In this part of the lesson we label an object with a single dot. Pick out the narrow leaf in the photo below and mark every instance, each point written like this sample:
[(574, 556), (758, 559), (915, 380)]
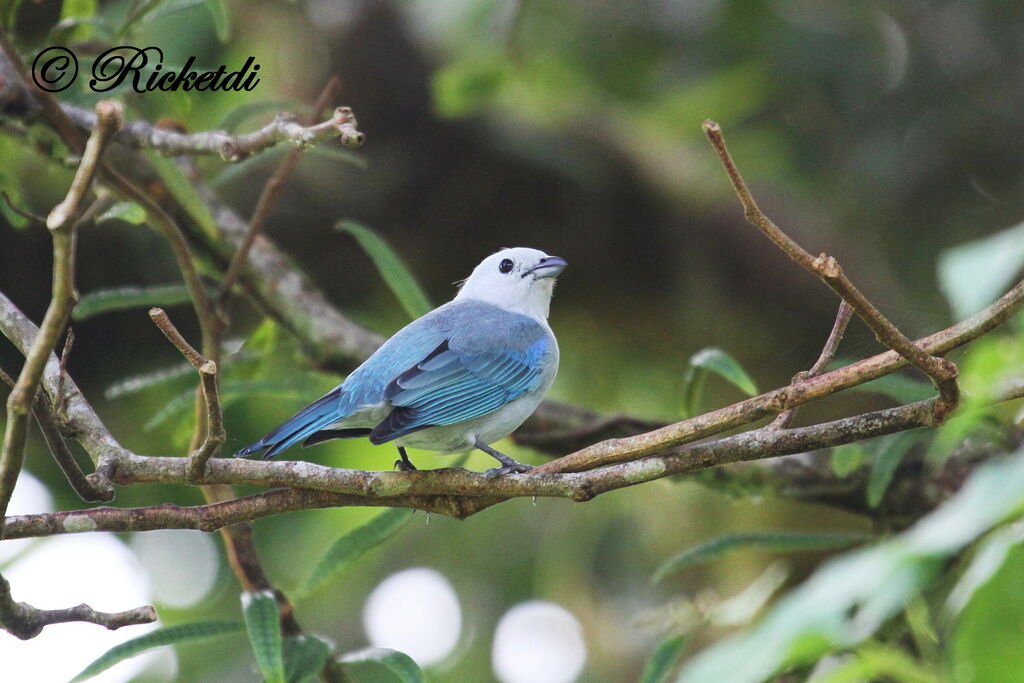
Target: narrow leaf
[(661, 661), (219, 13), (184, 192), (129, 212), (243, 112), (263, 623), (779, 541), (135, 383), (847, 458), (398, 663), (168, 635), (78, 9), (304, 656), (725, 366), (887, 459), (395, 273), (899, 388), (355, 543), (122, 298)]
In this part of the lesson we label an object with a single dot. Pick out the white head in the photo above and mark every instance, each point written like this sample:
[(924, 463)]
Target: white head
[(520, 280)]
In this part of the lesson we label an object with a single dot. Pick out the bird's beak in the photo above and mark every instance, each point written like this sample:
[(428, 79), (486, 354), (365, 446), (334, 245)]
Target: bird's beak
[(549, 266)]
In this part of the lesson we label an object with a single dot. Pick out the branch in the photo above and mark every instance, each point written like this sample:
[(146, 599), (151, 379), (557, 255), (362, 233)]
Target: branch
[(941, 371), (62, 225), (215, 434), (26, 622), (232, 148), (454, 492), (828, 352)]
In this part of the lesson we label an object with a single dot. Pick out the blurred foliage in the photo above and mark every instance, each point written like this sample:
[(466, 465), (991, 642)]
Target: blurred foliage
[(884, 133)]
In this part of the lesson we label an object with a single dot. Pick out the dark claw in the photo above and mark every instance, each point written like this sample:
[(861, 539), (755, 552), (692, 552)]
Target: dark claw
[(405, 466)]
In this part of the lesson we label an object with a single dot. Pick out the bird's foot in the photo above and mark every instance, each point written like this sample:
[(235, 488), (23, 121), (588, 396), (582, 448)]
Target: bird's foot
[(514, 468), (508, 465), (404, 465)]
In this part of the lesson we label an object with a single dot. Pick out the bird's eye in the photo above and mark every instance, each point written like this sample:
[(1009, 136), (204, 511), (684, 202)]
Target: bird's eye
[(505, 266)]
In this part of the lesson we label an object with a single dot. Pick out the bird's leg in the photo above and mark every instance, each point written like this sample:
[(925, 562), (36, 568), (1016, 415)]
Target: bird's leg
[(508, 465), (404, 465)]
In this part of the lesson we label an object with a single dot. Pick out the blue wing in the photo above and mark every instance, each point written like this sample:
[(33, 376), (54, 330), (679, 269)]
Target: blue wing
[(450, 386)]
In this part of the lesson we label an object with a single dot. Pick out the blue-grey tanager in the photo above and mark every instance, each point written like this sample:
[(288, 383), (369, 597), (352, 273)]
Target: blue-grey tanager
[(463, 376)]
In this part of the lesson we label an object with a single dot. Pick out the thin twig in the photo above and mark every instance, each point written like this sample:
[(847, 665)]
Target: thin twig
[(941, 371), (21, 212), (26, 622), (828, 352), (62, 223), (271, 192), (215, 434), (65, 356)]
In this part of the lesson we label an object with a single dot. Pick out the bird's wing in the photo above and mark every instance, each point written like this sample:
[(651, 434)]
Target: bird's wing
[(462, 379)]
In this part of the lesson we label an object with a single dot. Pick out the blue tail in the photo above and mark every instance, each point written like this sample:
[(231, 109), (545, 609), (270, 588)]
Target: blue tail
[(311, 419)]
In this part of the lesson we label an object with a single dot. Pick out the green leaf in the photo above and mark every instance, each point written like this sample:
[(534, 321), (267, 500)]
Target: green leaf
[(135, 383), (988, 558), (184, 192), (887, 459), (168, 635), (717, 361), (847, 458), (899, 388), (79, 9), (661, 661), (987, 636), (778, 541), (878, 663), (237, 116), (219, 13), (129, 212), (395, 273), (973, 275), (304, 657), (398, 663), (263, 623), (355, 543), (9, 14), (464, 87), (851, 596), (122, 298)]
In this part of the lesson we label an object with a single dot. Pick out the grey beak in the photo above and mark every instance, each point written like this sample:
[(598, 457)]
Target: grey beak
[(549, 266)]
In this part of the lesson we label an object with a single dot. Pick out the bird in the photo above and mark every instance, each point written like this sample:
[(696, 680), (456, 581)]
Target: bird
[(461, 377)]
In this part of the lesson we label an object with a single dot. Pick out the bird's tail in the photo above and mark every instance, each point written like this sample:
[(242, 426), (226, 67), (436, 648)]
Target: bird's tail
[(311, 419)]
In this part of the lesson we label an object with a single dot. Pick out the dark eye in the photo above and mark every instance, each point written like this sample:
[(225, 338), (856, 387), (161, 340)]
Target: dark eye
[(505, 266)]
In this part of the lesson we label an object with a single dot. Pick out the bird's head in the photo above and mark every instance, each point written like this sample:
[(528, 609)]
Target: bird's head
[(520, 280)]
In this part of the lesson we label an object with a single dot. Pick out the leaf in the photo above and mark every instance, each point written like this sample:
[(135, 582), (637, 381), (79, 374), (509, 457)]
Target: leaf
[(899, 388), (219, 13), (184, 193), (973, 275), (887, 460), (135, 383), (988, 558), (665, 655), (234, 118), (355, 543), (304, 657), (851, 596), (395, 273), (847, 458), (779, 541), (463, 87), (987, 636), (263, 623), (79, 9), (9, 14), (717, 361), (168, 635), (129, 212), (339, 155), (398, 663), (122, 298)]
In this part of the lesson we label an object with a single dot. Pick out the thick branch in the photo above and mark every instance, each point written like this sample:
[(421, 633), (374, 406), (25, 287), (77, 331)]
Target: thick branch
[(941, 371), (284, 128), (25, 622), (62, 224)]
